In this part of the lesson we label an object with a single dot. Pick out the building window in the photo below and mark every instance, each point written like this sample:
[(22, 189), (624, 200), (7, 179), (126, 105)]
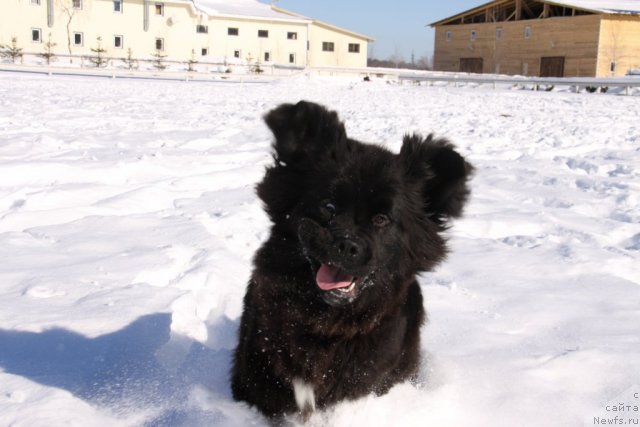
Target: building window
[(474, 36), (448, 36), (233, 31), (327, 46), (160, 9), (612, 67), (527, 32), (292, 58), (354, 47), (236, 54), (292, 36), (267, 56), (525, 69), (498, 33), (159, 44), (118, 42), (204, 51), (263, 34), (497, 69), (202, 29), (117, 6), (36, 35), (77, 4), (78, 39)]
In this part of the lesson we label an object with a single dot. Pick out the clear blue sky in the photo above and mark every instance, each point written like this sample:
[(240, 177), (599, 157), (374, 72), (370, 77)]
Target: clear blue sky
[(397, 26)]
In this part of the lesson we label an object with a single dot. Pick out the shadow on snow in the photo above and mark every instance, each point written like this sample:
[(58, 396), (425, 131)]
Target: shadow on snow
[(121, 370)]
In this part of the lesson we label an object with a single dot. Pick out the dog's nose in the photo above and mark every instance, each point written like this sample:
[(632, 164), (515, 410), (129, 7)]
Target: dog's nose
[(349, 249)]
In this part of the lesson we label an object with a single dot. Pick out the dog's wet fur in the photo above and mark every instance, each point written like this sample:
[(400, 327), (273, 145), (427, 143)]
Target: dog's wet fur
[(333, 310)]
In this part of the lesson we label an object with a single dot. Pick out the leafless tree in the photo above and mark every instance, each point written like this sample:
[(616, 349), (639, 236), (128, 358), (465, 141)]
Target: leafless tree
[(70, 12), (615, 36)]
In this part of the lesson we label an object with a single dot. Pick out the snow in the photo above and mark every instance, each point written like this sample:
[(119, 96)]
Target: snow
[(606, 6), (128, 222), (239, 8)]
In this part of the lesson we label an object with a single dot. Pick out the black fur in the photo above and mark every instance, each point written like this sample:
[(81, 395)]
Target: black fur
[(362, 213)]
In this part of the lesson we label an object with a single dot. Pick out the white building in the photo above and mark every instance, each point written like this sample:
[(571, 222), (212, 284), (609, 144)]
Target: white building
[(209, 31)]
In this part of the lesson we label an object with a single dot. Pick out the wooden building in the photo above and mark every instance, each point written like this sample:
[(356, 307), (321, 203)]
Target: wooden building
[(573, 38)]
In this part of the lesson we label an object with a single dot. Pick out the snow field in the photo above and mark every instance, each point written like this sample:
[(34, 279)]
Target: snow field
[(128, 221)]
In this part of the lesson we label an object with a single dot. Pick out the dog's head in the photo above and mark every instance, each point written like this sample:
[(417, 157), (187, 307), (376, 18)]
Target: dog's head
[(366, 219)]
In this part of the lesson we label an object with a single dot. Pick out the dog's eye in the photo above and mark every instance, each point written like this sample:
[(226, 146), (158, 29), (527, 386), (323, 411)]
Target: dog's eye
[(328, 208), (380, 220)]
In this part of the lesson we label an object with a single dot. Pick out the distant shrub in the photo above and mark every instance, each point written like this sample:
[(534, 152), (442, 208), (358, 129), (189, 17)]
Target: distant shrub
[(98, 60), (12, 51), (256, 68), (48, 54), (158, 61), (191, 62), (132, 64)]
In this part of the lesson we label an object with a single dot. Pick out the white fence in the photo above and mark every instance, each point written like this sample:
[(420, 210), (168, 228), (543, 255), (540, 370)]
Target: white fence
[(242, 73), (148, 68), (537, 83)]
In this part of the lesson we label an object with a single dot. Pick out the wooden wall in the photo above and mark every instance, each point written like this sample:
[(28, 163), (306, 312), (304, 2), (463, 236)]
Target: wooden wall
[(575, 38), (619, 43)]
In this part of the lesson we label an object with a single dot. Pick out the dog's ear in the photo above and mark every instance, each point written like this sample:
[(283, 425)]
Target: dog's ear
[(305, 132), (440, 171)]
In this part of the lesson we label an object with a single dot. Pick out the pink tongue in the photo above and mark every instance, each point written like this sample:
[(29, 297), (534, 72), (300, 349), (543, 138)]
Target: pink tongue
[(332, 278)]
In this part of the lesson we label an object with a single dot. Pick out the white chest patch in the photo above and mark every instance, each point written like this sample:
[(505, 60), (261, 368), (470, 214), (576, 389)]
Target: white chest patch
[(305, 397)]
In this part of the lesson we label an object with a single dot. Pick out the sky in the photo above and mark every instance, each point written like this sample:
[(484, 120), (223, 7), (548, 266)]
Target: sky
[(397, 27)]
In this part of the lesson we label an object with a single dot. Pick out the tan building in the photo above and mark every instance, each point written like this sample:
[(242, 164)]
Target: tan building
[(209, 31), (574, 38)]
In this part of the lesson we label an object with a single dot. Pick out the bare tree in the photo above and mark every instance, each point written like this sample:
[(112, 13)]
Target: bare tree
[(396, 61), (424, 63), (397, 58), (615, 43), (70, 12)]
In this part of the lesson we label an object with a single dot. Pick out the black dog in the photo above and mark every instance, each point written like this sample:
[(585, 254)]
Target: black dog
[(333, 310)]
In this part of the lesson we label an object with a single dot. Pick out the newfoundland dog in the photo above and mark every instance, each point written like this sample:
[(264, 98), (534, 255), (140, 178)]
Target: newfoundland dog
[(333, 310)]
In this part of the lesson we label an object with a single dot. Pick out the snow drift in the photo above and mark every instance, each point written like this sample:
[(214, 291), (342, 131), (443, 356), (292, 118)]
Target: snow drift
[(128, 221)]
